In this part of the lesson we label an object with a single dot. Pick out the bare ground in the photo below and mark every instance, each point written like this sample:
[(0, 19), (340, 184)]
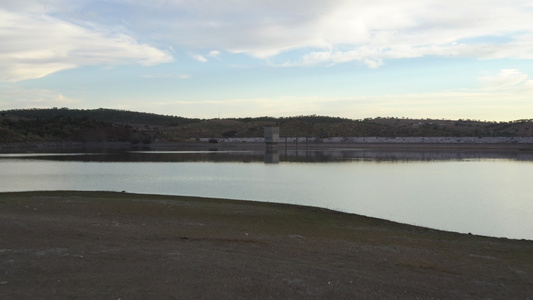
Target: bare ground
[(99, 245)]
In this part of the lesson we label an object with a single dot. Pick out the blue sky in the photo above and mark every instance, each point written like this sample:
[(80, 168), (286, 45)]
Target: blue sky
[(470, 59)]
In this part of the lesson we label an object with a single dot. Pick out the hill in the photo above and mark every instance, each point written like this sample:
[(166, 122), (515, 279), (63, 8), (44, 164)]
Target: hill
[(105, 125), (100, 114)]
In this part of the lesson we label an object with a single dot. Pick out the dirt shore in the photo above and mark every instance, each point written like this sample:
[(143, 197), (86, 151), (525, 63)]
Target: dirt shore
[(103, 245)]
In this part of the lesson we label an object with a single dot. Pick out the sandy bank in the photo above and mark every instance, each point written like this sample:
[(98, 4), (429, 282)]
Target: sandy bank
[(96, 245)]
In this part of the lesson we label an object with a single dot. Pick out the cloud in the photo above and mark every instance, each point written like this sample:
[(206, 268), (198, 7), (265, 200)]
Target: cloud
[(501, 97), (340, 31), (214, 53), (506, 79), (199, 58), (35, 45), (42, 37), (170, 75), (33, 98), (473, 104), (202, 58)]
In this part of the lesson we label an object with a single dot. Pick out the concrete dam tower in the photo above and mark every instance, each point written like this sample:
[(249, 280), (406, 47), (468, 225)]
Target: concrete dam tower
[(272, 137)]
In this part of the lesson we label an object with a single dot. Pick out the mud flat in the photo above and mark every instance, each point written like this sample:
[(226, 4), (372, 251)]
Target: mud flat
[(104, 245)]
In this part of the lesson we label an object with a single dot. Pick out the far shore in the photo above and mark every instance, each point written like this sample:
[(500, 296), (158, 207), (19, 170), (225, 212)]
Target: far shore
[(302, 143), (107, 245)]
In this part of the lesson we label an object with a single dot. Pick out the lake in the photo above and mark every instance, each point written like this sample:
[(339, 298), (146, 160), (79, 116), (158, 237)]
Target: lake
[(470, 192)]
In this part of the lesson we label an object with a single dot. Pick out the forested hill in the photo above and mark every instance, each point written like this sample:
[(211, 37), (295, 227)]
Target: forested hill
[(106, 125), (101, 114)]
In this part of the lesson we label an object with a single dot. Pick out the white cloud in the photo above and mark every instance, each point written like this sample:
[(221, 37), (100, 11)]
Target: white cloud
[(345, 30), (506, 79), (33, 98), (214, 53), (474, 104), (41, 37), (199, 58), (170, 75), (35, 45), (501, 97)]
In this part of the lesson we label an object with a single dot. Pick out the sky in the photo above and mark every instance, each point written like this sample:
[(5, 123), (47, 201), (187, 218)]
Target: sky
[(468, 59)]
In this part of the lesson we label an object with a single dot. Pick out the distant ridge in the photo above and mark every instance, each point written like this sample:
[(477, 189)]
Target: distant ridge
[(106, 125), (100, 114)]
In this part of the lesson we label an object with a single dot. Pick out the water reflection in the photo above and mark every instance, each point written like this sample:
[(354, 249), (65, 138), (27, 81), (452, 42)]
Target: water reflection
[(271, 156), (275, 156), (480, 192)]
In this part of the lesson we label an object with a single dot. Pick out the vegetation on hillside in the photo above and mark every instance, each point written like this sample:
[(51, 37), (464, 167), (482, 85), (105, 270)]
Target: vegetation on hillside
[(101, 114), (106, 125)]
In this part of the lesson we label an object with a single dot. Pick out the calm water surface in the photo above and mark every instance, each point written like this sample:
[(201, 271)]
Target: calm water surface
[(481, 193)]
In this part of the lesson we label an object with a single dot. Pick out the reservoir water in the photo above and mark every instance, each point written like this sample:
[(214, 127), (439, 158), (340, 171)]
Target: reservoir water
[(481, 193)]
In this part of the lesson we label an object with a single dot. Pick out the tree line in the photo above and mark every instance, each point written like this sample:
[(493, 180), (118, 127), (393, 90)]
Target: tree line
[(105, 125)]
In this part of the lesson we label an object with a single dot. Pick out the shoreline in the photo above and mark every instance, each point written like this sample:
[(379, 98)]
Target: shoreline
[(117, 245), (279, 205), (416, 144)]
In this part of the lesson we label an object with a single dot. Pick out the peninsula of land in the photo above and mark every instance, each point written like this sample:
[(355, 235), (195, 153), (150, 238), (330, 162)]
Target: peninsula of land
[(103, 245)]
